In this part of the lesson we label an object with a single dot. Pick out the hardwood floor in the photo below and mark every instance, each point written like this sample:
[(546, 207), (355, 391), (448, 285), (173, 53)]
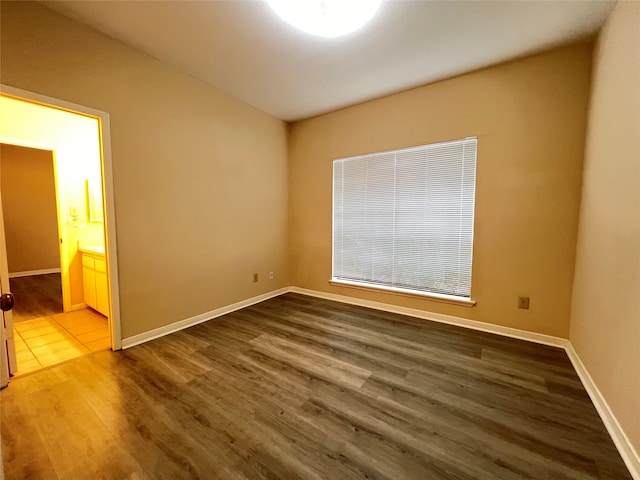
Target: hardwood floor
[(36, 296), (303, 388)]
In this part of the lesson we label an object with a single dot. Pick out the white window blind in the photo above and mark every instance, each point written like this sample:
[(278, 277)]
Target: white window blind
[(404, 218)]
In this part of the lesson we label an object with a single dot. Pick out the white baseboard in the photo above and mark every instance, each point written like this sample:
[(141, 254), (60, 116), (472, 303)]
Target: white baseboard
[(620, 439), (203, 317), (78, 306), (437, 317), (28, 273), (627, 452)]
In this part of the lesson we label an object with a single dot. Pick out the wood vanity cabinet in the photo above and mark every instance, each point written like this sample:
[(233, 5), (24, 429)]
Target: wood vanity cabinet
[(94, 278)]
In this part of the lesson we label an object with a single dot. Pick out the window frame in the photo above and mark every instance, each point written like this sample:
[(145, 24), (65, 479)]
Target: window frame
[(390, 289)]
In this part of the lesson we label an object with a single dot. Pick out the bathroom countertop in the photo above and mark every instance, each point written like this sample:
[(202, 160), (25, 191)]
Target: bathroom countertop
[(95, 250)]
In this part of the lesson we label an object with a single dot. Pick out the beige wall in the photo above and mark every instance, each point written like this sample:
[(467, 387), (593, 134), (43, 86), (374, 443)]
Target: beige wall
[(201, 184), (605, 315), (529, 117), (200, 178), (29, 207)]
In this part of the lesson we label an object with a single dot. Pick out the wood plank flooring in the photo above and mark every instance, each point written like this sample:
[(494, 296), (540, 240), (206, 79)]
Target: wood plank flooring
[(36, 296), (303, 388)]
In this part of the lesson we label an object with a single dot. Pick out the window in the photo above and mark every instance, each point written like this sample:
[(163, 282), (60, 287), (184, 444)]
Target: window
[(403, 219)]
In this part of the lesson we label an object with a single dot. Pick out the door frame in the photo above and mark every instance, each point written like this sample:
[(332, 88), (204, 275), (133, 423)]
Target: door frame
[(6, 328), (106, 167)]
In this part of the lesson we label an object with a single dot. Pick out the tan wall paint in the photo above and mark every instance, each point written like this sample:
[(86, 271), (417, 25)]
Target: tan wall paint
[(200, 178), (529, 117), (29, 208), (605, 315), (200, 182)]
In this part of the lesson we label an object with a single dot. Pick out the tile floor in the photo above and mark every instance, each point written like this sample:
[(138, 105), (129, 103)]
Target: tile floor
[(46, 341)]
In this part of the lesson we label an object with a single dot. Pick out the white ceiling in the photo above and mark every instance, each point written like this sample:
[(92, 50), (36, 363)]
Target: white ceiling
[(244, 49)]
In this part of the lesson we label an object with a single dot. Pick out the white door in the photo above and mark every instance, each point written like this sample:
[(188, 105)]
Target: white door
[(8, 363)]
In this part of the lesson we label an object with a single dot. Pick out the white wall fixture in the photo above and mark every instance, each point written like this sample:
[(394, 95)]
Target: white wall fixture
[(74, 217), (326, 18)]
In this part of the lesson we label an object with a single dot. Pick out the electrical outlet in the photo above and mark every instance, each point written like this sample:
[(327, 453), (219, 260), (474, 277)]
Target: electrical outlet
[(255, 277), (270, 275), (523, 302)]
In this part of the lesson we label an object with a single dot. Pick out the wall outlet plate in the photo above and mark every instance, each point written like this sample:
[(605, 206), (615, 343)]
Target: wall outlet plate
[(523, 302), (255, 277)]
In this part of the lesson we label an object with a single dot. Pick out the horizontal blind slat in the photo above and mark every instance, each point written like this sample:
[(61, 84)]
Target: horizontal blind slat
[(405, 218)]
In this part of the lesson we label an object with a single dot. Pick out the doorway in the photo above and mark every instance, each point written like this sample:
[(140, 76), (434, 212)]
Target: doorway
[(44, 334), (78, 139), (27, 185)]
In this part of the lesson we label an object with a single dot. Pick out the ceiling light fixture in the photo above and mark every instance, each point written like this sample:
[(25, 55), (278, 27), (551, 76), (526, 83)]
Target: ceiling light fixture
[(326, 18)]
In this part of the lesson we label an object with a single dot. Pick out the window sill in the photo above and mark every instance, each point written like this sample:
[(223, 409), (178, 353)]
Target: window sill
[(436, 297)]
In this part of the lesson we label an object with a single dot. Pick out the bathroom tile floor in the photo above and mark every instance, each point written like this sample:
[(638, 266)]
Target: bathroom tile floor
[(46, 341)]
